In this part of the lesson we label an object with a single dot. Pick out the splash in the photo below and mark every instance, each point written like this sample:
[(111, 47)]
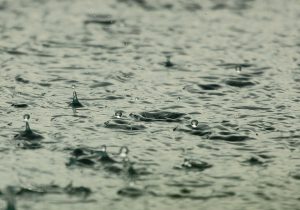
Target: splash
[(27, 134), (75, 102)]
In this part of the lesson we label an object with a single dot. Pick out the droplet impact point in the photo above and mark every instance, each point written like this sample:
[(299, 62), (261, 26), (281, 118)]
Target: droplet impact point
[(194, 123), (124, 152), (118, 114), (238, 68), (168, 63), (26, 117), (75, 102)]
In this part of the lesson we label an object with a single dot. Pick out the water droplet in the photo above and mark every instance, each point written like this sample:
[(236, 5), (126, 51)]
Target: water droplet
[(75, 102), (194, 123), (106, 123), (26, 117), (103, 148), (118, 114), (124, 152), (131, 184), (74, 93), (238, 68), (236, 115), (168, 63), (187, 163)]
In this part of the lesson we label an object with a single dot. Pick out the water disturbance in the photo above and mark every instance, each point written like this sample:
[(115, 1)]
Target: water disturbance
[(149, 104)]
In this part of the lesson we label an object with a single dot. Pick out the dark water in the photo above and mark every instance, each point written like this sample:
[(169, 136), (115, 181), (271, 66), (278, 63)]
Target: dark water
[(231, 65)]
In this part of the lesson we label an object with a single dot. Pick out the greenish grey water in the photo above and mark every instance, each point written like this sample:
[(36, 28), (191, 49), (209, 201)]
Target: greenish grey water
[(116, 54)]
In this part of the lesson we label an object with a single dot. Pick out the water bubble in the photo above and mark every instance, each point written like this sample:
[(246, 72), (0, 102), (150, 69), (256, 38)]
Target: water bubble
[(26, 117), (194, 123), (118, 114), (238, 68), (124, 152)]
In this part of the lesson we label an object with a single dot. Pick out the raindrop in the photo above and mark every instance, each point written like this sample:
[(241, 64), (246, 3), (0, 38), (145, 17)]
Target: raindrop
[(106, 123), (194, 123), (199, 165), (103, 148), (168, 63), (124, 152), (187, 163), (238, 68), (26, 118), (28, 134), (118, 114), (128, 168), (104, 157), (74, 92), (75, 102)]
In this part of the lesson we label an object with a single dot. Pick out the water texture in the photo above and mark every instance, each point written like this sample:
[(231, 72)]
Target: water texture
[(202, 97)]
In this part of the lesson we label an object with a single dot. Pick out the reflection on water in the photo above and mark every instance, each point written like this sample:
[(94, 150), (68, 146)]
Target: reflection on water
[(178, 104)]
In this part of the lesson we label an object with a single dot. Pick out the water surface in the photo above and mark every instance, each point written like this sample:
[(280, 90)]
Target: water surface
[(231, 65)]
